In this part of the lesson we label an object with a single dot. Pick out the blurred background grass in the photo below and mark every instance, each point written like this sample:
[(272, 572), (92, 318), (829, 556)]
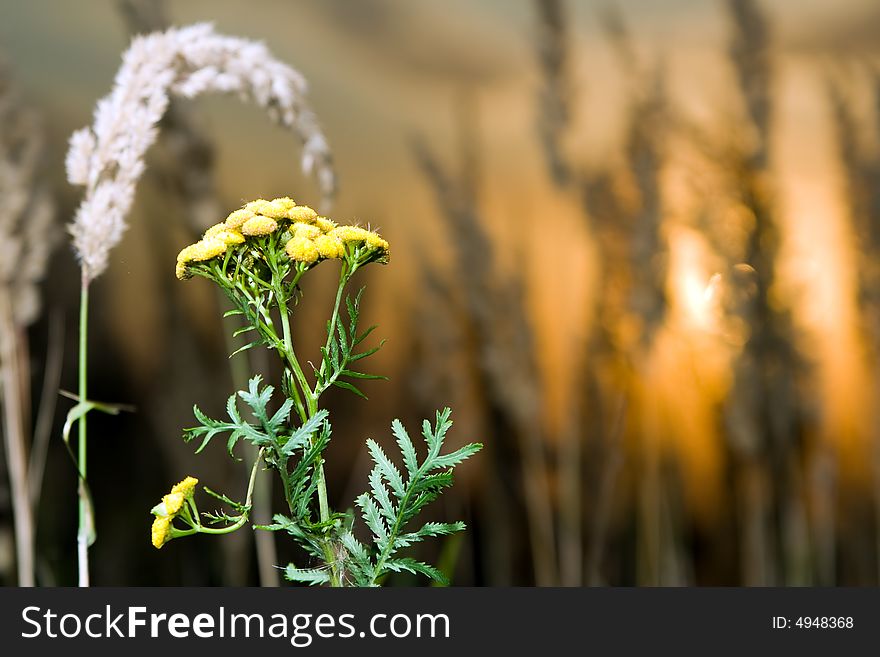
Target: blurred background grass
[(635, 259)]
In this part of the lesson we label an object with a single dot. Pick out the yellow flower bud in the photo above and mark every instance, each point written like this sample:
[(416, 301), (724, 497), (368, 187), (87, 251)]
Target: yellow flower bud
[(185, 487), (230, 237), (325, 224), (173, 502), (302, 249), (215, 229), (329, 246), (305, 230), (160, 531), (302, 213), (186, 254), (259, 225), (275, 209), (350, 233), (236, 219), (208, 248), (181, 271)]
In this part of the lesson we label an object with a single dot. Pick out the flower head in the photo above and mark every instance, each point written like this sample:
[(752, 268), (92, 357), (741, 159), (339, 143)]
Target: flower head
[(161, 531), (259, 225), (274, 209), (378, 247), (302, 249), (307, 238), (173, 505), (185, 487), (330, 246), (302, 213), (236, 219), (305, 230), (325, 224)]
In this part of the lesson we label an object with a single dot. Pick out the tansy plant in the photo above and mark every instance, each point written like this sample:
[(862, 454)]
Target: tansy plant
[(258, 257)]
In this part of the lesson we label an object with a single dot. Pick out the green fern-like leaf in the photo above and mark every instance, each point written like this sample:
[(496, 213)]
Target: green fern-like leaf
[(392, 502)]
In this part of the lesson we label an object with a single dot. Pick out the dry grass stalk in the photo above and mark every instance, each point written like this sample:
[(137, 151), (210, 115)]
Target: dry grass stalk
[(763, 412), (25, 222), (506, 359), (860, 164)]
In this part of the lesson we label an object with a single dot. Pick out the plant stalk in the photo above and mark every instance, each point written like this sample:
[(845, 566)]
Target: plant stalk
[(82, 538), (312, 408), (13, 431)]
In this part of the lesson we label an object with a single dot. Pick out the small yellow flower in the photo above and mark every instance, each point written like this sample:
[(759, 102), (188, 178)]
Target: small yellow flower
[(161, 531), (186, 254), (224, 233), (325, 224), (215, 229), (351, 233), (257, 206), (302, 213), (282, 206), (358, 234), (230, 237), (305, 230), (302, 249), (236, 219), (173, 502), (330, 246), (208, 248), (185, 487), (259, 225), (181, 271), (274, 209)]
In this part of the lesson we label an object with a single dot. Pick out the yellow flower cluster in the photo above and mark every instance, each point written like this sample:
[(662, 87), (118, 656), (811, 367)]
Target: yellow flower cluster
[(308, 236), (169, 508)]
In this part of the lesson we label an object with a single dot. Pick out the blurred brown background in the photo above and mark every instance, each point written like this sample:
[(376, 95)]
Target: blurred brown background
[(634, 249)]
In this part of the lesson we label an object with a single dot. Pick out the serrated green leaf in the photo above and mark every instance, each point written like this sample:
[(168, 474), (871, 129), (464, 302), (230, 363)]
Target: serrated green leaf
[(410, 460), (416, 567), (380, 493), (279, 419), (301, 436), (456, 457), (310, 576), (387, 468), (372, 517)]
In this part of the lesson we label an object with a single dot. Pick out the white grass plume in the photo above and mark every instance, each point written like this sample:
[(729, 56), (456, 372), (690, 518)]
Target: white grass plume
[(108, 158), (26, 209)]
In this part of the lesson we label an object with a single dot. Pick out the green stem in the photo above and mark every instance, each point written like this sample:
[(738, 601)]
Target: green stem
[(312, 408), (248, 502), (344, 276), (85, 519)]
